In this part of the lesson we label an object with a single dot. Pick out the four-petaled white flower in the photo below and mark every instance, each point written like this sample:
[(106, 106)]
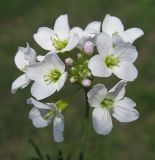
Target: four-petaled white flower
[(118, 60), (113, 26), (23, 58), (87, 34), (107, 103), (58, 40), (48, 75), (43, 114)]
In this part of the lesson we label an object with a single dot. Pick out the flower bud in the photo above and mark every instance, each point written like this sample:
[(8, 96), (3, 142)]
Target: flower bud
[(89, 47), (86, 82), (73, 79), (69, 61), (79, 55)]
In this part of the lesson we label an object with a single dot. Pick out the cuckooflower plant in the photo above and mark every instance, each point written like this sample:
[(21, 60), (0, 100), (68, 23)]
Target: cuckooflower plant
[(87, 55)]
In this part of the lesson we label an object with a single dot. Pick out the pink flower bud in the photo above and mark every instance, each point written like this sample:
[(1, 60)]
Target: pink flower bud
[(89, 47), (86, 82), (69, 61)]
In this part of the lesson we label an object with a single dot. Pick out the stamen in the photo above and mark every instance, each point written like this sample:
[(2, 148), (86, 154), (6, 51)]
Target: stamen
[(111, 61), (58, 43), (52, 76), (107, 103)]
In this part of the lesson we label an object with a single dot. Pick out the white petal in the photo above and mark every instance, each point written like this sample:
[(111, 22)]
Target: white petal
[(126, 71), (93, 27), (96, 95), (60, 83), (126, 52), (20, 59), (117, 40), (43, 38), (29, 54), (77, 30), (40, 58), (72, 43), (132, 34), (61, 27), (52, 60), (20, 82), (102, 122), (112, 25), (38, 70), (40, 89), (98, 68), (58, 128), (104, 44), (126, 102), (37, 104), (118, 91), (37, 120), (124, 111)]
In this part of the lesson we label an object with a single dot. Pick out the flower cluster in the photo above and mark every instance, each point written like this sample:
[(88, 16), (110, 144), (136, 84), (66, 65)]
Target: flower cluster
[(99, 53)]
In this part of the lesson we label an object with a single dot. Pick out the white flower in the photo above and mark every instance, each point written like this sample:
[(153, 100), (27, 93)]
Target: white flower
[(43, 114), (23, 58), (58, 40), (113, 26), (107, 103), (88, 33), (118, 60), (48, 75)]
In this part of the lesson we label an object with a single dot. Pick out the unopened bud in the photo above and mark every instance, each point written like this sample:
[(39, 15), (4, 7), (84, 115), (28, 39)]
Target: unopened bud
[(79, 55), (69, 61), (73, 79), (89, 47), (86, 82)]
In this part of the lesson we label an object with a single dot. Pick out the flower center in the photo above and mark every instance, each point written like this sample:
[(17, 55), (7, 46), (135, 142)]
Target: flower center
[(111, 61), (58, 43), (52, 76), (49, 114), (107, 103)]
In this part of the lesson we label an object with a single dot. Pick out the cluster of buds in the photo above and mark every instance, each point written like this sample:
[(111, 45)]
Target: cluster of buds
[(101, 53), (79, 71)]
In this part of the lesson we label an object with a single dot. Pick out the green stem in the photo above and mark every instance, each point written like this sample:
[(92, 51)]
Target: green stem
[(86, 120)]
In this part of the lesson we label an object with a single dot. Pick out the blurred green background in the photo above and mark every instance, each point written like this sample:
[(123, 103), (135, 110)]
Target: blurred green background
[(19, 20)]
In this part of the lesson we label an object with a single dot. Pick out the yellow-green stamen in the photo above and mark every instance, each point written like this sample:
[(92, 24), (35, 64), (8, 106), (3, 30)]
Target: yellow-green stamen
[(111, 61), (58, 43), (107, 103), (52, 76)]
